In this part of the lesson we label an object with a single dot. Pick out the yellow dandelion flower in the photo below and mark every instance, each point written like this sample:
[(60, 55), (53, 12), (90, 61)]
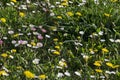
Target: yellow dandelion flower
[(13, 1), (4, 55), (29, 74), (97, 63), (3, 73), (55, 39), (13, 50), (70, 13), (56, 52), (104, 50), (109, 64), (60, 43), (59, 17), (3, 20), (33, 43), (107, 15), (42, 76), (78, 14), (98, 70), (16, 35), (64, 4), (57, 47), (21, 14), (62, 64)]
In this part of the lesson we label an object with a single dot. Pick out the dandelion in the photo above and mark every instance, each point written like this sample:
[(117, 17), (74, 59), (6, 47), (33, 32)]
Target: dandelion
[(42, 76), (21, 14), (116, 66), (33, 43), (56, 52), (29, 74), (4, 55), (70, 13), (16, 35), (78, 14), (104, 50), (13, 50), (109, 64), (107, 15), (57, 47), (97, 63), (55, 39), (59, 17), (98, 70), (3, 20), (13, 1), (3, 73)]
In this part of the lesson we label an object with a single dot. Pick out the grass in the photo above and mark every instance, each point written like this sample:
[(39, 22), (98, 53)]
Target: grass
[(59, 40)]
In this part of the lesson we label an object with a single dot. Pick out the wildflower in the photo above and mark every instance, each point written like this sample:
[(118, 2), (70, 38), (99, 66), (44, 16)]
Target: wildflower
[(60, 43), (4, 55), (43, 30), (98, 70), (86, 57), (56, 52), (13, 50), (39, 44), (21, 14), (107, 15), (13, 1), (1, 42), (55, 39), (78, 14), (114, 0), (109, 64), (116, 66), (42, 76), (60, 75), (3, 73), (77, 73), (36, 61), (70, 14), (40, 37), (62, 63), (29, 74), (67, 73), (33, 43), (57, 47), (97, 63), (59, 17), (3, 20), (16, 35), (104, 50), (11, 32)]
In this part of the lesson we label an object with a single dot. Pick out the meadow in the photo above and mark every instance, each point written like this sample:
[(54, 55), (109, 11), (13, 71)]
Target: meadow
[(59, 39)]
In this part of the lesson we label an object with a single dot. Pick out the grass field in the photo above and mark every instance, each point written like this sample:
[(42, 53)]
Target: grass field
[(60, 40)]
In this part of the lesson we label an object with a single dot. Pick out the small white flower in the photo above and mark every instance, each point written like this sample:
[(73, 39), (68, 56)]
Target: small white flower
[(11, 32), (13, 42), (5, 38), (81, 32), (29, 45), (77, 73), (92, 76), (113, 72), (112, 40), (47, 36), (67, 73), (11, 56), (102, 77), (102, 40), (39, 44), (100, 33), (52, 14), (36, 61), (57, 2), (117, 40), (59, 75)]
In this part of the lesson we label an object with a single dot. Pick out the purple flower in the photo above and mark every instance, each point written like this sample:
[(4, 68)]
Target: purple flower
[(43, 30), (1, 42), (40, 37)]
